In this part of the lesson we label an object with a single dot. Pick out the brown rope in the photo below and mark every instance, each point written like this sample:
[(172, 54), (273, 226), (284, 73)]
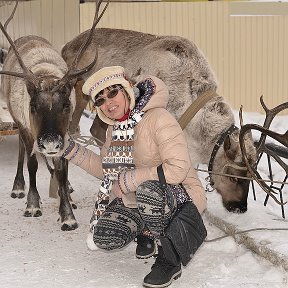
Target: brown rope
[(245, 231), (240, 177)]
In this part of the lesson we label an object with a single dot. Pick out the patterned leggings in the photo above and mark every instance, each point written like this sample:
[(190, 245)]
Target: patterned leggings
[(119, 225)]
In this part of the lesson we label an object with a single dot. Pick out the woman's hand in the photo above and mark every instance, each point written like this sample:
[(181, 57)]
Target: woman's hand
[(68, 145), (116, 190)]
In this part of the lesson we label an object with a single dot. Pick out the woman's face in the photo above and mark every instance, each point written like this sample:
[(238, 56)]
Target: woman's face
[(116, 103)]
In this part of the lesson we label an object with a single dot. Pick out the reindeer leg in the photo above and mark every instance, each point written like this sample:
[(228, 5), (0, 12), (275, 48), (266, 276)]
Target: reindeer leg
[(70, 188), (54, 186), (33, 198), (18, 190), (67, 217)]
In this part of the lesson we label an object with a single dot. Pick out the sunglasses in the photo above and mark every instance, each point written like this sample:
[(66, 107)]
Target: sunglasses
[(111, 94)]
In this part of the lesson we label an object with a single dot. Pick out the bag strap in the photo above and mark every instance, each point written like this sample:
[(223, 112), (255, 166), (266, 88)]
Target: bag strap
[(161, 177), (163, 184)]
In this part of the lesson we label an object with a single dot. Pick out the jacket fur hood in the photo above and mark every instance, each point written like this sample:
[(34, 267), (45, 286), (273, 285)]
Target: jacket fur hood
[(160, 97)]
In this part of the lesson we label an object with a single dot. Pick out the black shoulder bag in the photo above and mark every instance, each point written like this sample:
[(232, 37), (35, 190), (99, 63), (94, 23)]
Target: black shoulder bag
[(186, 231)]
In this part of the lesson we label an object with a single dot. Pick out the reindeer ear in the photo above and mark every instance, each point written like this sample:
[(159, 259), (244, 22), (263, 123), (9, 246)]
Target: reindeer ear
[(230, 147), (248, 135), (227, 143)]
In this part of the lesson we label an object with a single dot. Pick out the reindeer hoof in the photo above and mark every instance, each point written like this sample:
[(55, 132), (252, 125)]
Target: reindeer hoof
[(74, 206), (38, 213), (19, 195), (69, 227), (33, 213)]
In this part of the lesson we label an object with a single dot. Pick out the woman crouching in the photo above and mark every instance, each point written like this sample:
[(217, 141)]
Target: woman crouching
[(149, 190)]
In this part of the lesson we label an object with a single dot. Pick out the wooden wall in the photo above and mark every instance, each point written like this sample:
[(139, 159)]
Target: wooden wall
[(56, 20), (246, 43)]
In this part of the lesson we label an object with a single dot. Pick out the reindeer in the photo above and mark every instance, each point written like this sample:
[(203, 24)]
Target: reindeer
[(187, 73), (41, 99)]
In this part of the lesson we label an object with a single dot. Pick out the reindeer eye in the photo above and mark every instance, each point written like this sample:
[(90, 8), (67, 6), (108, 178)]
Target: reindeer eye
[(66, 107)]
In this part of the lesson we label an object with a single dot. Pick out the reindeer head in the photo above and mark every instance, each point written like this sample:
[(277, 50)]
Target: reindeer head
[(234, 190), (50, 110)]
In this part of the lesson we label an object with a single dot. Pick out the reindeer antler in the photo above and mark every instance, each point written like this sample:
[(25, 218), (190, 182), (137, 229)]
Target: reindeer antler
[(270, 114), (11, 16), (72, 72), (28, 75), (262, 148)]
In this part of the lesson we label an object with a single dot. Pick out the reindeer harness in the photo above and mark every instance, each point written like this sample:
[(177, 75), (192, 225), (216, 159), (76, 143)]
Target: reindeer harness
[(220, 141), (191, 112), (195, 107)]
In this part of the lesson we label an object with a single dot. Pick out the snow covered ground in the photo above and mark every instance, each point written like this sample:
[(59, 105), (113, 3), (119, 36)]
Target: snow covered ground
[(36, 253)]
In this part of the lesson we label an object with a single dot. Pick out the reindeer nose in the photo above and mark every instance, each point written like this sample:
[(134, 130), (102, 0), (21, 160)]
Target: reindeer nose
[(236, 207), (50, 144)]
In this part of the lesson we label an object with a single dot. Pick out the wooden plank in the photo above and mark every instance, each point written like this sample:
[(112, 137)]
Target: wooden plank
[(71, 12)]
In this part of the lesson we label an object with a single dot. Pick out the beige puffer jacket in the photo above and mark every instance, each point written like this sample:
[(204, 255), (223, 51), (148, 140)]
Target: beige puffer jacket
[(158, 139)]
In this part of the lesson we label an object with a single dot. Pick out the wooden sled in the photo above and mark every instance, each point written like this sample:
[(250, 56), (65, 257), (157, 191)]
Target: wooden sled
[(8, 129)]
